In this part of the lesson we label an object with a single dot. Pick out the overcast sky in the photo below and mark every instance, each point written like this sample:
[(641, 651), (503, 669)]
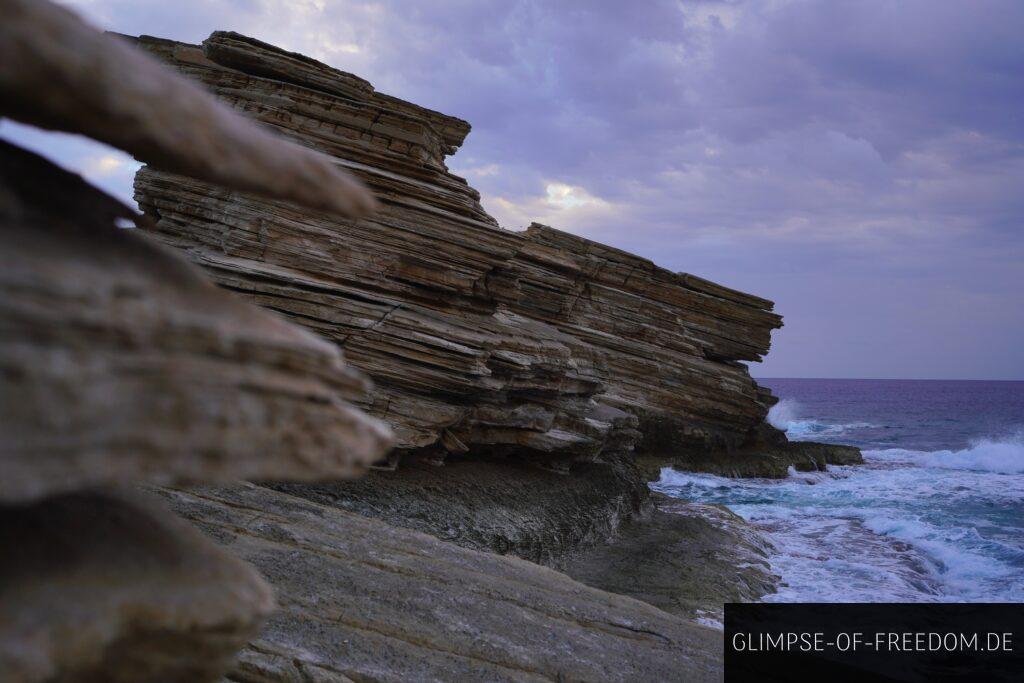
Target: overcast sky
[(860, 163)]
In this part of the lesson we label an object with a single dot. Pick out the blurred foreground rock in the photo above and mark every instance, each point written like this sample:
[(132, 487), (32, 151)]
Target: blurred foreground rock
[(109, 587), (120, 363), (57, 72)]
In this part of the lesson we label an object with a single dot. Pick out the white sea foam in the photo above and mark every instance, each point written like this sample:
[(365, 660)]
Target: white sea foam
[(785, 415), (710, 619), (906, 526), (1004, 456)]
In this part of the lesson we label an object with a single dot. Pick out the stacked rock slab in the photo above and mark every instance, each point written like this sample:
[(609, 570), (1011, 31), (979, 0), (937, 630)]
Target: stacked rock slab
[(120, 362), (537, 344)]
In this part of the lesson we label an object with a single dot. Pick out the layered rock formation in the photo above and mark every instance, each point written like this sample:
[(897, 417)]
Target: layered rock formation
[(489, 349), (536, 344), (120, 363)]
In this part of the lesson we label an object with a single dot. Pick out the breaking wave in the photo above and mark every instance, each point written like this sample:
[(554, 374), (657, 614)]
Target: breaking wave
[(1001, 456), (785, 415), (908, 525)]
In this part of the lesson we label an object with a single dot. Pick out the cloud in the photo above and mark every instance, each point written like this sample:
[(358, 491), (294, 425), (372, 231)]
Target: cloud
[(858, 161), (570, 207), (104, 165), (110, 169)]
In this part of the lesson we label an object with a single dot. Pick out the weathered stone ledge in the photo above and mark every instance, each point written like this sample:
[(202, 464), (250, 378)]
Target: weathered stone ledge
[(505, 506), (364, 600), (770, 455), (684, 558)]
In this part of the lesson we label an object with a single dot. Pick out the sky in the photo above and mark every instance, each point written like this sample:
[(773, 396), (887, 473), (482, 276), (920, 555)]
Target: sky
[(859, 163)]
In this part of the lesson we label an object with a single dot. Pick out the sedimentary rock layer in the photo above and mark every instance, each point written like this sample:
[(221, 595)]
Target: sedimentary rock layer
[(480, 340), (501, 507), (110, 587), (767, 453), (120, 362), (362, 600)]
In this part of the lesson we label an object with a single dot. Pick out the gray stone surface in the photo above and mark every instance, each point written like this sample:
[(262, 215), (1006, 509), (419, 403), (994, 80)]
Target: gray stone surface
[(497, 506), (362, 600)]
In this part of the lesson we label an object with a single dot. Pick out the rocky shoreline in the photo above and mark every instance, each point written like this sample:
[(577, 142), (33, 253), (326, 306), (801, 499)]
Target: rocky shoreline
[(531, 383), (363, 600)]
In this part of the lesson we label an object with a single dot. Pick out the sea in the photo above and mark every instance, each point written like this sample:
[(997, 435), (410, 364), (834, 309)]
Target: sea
[(935, 514)]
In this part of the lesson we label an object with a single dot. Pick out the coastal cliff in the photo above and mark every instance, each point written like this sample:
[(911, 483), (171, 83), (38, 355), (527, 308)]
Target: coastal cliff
[(481, 341), (532, 381), (500, 359)]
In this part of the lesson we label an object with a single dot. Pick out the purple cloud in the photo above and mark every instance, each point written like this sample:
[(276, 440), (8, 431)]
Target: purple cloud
[(859, 162)]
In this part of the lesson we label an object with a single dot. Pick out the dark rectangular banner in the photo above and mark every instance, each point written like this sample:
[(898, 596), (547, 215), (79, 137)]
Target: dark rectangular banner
[(874, 642)]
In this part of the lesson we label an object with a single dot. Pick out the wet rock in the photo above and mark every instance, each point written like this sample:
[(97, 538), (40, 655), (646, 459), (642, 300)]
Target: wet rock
[(767, 453), (685, 558), (802, 456)]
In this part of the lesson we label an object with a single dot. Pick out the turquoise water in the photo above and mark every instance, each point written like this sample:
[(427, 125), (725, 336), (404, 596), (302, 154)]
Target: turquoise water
[(935, 514)]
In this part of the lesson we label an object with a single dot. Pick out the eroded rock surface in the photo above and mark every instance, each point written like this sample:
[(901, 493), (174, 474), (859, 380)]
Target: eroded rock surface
[(767, 454), (111, 587), (120, 362), (497, 506), (685, 558), (363, 600), (534, 344)]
